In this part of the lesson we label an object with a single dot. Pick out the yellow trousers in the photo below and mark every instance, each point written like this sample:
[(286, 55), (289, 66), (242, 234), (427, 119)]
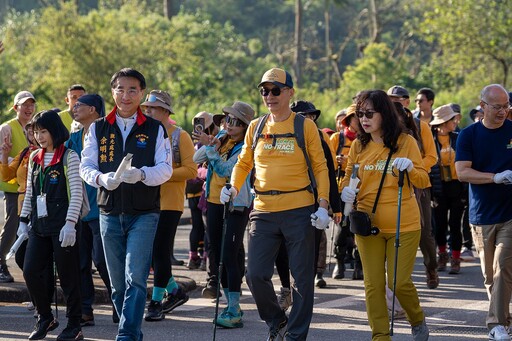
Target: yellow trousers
[(378, 256)]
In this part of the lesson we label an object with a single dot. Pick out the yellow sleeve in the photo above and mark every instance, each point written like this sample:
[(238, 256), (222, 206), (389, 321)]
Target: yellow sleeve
[(429, 148), (8, 172), (188, 169), (316, 156)]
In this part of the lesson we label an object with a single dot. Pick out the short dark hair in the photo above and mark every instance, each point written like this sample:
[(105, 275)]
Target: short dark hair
[(128, 72), (76, 87), (51, 121), (391, 125), (429, 93)]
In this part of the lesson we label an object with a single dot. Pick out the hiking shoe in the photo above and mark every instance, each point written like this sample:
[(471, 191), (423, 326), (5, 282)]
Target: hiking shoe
[(285, 299), (454, 266), (320, 281), (420, 332), (194, 263), (229, 320), (171, 301), (154, 312), (210, 290), (87, 321), (42, 327), (499, 333), (71, 334), (175, 262), (278, 333), (466, 255), (5, 275), (442, 261), (432, 278), (339, 270), (202, 266)]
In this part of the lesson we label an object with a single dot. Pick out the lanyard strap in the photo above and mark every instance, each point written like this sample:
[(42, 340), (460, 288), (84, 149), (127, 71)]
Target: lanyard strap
[(381, 182), (42, 174)]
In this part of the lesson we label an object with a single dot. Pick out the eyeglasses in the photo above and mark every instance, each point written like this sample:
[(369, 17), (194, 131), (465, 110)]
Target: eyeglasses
[(28, 105), (275, 91), (497, 107), (234, 121), (367, 113), (78, 105), (153, 98), (122, 92)]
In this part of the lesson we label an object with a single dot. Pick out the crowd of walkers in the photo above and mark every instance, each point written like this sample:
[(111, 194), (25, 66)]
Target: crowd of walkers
[(85, 186)]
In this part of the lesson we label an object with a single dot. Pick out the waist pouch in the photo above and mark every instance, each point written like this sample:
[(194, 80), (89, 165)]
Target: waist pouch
[(361, 224)]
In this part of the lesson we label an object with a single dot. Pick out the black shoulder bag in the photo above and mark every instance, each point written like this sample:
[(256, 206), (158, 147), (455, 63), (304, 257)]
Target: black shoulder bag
[(361, 222)]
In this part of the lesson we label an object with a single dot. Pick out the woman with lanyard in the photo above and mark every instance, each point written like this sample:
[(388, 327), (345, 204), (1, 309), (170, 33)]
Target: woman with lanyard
[(222, 152), (52, 204), (448, 207), (381, 139)]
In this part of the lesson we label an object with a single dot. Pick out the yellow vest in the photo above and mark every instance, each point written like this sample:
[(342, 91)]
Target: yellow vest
[(66, 118), (19, 142)]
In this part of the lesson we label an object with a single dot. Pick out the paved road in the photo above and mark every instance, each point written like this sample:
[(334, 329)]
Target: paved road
[(455, 311)]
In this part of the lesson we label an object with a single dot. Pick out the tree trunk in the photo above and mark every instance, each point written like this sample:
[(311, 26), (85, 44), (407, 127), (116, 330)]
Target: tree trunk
[(168, 9), (298, 43), (374, 23), (328, 52)]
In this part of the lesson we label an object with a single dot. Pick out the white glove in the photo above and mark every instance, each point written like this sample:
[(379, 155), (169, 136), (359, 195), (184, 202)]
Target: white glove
[(23, 230), (226, 195), (503, 177), (348, 195), (107, 180), (67, 234), (131, 175), (403, 163), (320, 219)]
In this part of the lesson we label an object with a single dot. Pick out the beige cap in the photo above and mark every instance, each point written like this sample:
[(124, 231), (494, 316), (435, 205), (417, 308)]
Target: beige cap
[(442, 114), (240, 110), (22, 96), (158, 98), (208, 118)]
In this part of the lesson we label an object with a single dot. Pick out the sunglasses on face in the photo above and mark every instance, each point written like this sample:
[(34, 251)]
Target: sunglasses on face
[(274, 91), (367, 113), (153, 99), (234, 121)]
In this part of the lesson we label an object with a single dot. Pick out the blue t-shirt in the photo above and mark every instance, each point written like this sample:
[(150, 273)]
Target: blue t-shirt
[(490, 151)]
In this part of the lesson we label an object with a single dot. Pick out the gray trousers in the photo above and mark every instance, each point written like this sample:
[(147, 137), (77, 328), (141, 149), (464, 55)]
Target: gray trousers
[(267, 229), (427, 242), (8, 235)]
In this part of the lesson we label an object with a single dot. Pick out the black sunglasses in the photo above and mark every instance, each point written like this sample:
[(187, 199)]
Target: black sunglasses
[(367, 113), (275, 91), (234, 121)]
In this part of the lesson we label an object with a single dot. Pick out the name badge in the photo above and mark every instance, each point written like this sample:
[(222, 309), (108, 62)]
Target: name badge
[(41, 206)]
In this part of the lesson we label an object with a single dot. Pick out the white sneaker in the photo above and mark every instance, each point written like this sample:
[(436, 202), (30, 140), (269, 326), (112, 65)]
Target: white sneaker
[(285, 299), (420, 332), (466, 255), (499, 333)]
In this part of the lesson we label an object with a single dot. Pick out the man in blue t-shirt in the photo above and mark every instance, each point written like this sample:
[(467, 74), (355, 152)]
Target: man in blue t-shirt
[(484, 159)]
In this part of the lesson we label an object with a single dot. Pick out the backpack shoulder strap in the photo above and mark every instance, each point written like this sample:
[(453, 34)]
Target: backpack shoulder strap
[(175, 140), (259, 128), (298, 126), (341, 143)]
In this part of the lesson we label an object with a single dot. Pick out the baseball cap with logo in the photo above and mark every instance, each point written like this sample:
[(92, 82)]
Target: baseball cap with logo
[(398, 91), (277, 77), (158, 98), (22, 96), (240, 110)]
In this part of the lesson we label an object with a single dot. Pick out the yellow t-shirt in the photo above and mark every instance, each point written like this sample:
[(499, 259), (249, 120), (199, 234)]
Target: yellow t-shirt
[(372, 160), (172, 192), (217, 182), (335, 140), (282, 166), (447, 154)]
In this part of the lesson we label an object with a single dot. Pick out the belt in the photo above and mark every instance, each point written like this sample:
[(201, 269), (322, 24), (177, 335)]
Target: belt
[(275, 192)]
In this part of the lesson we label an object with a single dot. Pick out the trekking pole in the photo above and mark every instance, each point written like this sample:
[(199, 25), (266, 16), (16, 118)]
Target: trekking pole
[(397, 244), (332, 243), (227, 207)]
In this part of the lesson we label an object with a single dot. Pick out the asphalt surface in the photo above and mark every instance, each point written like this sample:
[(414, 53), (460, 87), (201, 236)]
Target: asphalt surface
[(454, 311)]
